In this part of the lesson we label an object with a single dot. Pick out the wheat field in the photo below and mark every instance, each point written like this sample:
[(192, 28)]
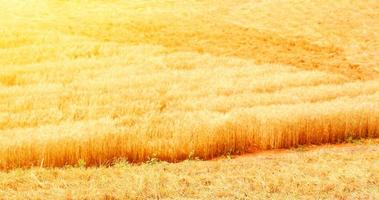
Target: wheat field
[(102, 80)]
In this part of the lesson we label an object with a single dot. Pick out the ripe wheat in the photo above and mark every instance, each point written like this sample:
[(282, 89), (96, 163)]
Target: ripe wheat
[(98, 81)]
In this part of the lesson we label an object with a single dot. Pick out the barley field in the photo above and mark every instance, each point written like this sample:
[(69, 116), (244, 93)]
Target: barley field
[(97, 81)]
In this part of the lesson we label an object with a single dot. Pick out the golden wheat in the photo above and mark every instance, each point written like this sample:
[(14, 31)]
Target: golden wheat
[(97, 80)]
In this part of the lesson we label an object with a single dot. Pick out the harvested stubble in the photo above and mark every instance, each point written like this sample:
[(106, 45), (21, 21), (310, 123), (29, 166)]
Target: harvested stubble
[(139, 79)]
